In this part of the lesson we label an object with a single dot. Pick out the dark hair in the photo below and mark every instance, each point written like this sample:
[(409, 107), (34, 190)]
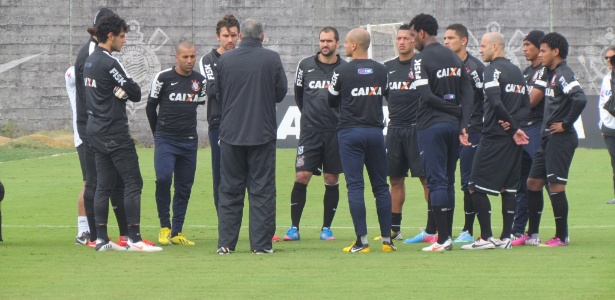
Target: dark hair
[(556, 40), (328, 29), (425, 22), (110, 23), (459, 29), (227, 22), (404, 26)]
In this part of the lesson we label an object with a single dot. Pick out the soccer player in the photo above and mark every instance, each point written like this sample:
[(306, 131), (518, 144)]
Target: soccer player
[(227, 33), (531, 125), (607, 121), (251, 80), (83, 230), (564, 102), (178, 91), (318, 146), (357, 90), (499, 149), (87, 156), (107, 88), (401, 142), (444, 110), (456, 39)]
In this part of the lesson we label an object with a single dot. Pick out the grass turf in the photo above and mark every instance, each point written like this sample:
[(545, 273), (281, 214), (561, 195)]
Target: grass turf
[(38, 258)]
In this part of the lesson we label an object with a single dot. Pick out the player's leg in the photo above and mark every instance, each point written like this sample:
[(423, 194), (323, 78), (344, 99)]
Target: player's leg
[(559, 154), (397, 170), (117, 204), (609, 140), (332, 167), (83, 229), (535, 198), (164, 165), (215, 163), (185, 168), (105, 180), (90, 190), (466, 158), (451, 168), (529, 151), (375, 154), (352, 154)]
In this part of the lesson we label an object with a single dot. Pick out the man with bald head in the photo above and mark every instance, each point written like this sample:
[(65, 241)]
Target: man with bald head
[(499, 149), (357, 90), (178, 91)]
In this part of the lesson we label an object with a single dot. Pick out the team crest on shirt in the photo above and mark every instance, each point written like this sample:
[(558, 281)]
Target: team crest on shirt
[(300, 150), (195, 85), (553, 80)]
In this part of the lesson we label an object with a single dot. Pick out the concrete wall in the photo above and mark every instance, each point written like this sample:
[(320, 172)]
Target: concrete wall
[(40, 38)]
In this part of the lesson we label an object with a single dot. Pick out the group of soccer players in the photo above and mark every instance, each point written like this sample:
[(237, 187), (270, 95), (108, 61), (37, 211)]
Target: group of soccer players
[(506, 128)]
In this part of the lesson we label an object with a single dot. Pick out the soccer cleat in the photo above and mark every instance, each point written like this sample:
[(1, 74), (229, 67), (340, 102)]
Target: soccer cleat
[(108, 246), (223, 250), (140, 246), (180, 239), (554, 242), (502, 243), (435, 247), (388, 247), (91, 244), (612, 201), (463, 238), (263, 251), (479, 244), (83, 238), (356, 249), (422, 237), (275, 239), (164, 237), (326, 234), (519, 241), (122, 241), (395, 235), (534, 240), (292, 234)]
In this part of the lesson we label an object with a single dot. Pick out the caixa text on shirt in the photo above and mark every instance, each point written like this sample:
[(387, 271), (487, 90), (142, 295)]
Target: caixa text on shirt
[(184, 97), (366, 91)]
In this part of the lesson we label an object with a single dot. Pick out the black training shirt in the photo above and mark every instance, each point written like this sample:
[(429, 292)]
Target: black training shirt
[(403, 97)]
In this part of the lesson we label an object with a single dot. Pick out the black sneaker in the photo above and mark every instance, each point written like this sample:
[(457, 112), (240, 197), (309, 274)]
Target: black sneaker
[(83, 238), (223, 250), (263, 251)]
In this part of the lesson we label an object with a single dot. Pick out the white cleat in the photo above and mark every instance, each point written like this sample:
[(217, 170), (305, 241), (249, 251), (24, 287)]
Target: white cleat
[(141, 247)]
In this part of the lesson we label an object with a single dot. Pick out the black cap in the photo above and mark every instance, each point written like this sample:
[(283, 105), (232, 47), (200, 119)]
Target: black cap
[(534, 37), (101, 13)]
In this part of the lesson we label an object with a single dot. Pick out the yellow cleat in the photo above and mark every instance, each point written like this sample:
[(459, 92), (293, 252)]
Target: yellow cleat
[(164, 236), (180, 239), (354, 249), (388, 247)]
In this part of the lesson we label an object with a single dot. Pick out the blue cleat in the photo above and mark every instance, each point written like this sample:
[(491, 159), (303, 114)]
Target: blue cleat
[(292, 234), (463, 238), (422, 237), (326, 234)]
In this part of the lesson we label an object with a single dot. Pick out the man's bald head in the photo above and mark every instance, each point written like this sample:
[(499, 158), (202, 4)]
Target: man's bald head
[(359, 36), (492, 46)]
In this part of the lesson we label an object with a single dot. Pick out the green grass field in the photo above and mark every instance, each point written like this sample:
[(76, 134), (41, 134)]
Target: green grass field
[(39, 260)]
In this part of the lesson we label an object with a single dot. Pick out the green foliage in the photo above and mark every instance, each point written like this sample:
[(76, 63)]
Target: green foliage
[(9, 129), (38, 259)]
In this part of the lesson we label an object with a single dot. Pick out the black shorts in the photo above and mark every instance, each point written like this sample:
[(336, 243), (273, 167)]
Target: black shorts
[(496, 166), (553, 158), (81, 154), (403, 153), (316, 150)]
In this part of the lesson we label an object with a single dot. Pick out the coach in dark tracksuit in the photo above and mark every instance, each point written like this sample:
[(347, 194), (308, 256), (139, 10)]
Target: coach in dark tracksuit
[(357, 90), (251, 80)]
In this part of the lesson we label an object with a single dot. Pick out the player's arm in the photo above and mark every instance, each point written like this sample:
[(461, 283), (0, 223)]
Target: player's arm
[(467, 100), (299, 86), (538, 89), (210, 86), (493, 93), (281, 83), (152, 103), (606, 86), (126, 88), (334, 91), (575, 93)]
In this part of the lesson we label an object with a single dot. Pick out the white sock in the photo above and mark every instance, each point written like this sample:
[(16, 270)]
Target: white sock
[(82, 225), (364, 239), (386, 239)]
